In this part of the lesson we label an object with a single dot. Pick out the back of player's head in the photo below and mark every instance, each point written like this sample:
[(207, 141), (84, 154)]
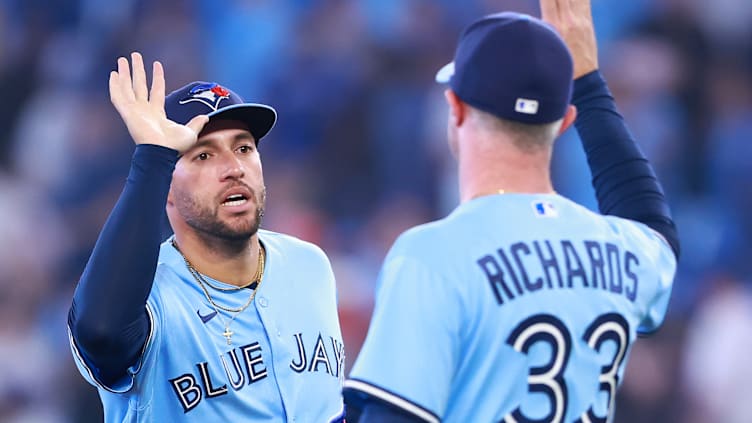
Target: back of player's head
[(218, 102), (513, 66)]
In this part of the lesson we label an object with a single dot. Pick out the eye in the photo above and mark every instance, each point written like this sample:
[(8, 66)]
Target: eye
[(202, 156), (245, 149)]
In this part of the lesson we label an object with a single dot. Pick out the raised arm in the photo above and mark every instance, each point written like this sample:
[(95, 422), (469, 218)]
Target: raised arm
[(108, 320), (624, 180)]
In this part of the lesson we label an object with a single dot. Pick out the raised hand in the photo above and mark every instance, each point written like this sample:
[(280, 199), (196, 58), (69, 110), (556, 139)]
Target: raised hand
[(573, 20), (143, 111)]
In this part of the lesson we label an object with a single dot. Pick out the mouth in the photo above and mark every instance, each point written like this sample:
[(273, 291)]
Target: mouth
[(234, 200)]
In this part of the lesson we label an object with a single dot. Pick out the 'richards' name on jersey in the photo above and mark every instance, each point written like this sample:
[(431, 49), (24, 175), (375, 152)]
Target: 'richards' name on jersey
[(528, 267)]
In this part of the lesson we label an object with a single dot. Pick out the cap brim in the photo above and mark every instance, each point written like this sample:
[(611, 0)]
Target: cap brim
[(445, 73), (260, 118)]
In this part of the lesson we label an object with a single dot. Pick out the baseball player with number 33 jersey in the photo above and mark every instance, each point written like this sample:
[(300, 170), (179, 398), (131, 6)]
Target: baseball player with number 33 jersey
[(520, 305)]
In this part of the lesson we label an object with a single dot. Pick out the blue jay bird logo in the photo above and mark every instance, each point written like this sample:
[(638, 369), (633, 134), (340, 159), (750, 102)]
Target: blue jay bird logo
[(210, 94)]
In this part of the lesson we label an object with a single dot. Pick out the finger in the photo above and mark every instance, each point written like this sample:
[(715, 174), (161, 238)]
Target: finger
[(198, 123), (157, 93), (124, 79), (579, 6), (568, 10), (550, 10), (139, 76), (582, 9), (115, 96)]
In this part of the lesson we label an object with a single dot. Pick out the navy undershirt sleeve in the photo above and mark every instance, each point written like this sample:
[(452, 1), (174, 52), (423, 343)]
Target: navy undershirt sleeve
[(624, 181), (378, 412), (108, 318)]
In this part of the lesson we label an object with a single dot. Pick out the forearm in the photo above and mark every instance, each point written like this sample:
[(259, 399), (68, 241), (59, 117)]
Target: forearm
[(624, 180), (373, 411), (108, 317)]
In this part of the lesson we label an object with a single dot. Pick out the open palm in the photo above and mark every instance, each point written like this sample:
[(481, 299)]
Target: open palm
[(143, 111), (573, 20)]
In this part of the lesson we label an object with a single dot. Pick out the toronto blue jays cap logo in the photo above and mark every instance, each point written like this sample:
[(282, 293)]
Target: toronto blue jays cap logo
[(193, 99), (210, 94)]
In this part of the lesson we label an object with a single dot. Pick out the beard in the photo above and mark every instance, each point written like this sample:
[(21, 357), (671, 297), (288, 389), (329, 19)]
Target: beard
[(206, 220)]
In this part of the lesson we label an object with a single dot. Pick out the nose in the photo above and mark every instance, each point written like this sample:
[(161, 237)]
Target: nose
[(232, 167)]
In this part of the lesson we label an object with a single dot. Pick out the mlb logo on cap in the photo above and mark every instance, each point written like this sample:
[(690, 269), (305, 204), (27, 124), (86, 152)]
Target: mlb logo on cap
[(526, 105)]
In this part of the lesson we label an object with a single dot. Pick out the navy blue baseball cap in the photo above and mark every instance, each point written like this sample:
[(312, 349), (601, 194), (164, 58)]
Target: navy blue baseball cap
[(218, 102), (513, 66)]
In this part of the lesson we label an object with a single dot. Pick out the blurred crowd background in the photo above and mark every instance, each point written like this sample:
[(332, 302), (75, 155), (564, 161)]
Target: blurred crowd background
[(359, 155)]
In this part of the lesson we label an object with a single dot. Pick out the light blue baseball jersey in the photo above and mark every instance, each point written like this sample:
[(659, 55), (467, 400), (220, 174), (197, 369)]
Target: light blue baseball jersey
[(285, 364), (513, 308)]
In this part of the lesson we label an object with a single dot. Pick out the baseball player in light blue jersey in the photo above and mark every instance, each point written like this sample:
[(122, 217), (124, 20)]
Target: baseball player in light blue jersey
[(521, 306), (222, 321)]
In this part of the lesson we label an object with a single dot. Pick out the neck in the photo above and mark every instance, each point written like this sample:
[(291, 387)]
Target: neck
[(490, 166), (231, 262)]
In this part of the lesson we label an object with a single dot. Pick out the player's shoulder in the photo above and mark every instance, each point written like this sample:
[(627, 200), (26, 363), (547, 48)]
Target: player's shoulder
[(285, 240), (479, 214), (424, 242), (425, 232), (636, 232), (631, 234), (291, 245), (170, 261), (613, 225)]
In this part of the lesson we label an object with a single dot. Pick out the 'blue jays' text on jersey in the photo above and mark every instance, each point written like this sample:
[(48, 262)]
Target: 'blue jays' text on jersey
[(286, 361), (513, 308)]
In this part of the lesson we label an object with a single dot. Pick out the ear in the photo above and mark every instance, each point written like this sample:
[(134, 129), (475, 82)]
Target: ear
[(568, 120), (457, 108), (170, 198)]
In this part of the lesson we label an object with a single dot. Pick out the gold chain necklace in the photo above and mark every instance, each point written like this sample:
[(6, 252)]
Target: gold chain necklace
[(234, 311), (256, 277)]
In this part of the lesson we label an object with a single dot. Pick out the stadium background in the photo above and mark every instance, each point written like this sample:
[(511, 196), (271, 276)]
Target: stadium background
[(359, 154)]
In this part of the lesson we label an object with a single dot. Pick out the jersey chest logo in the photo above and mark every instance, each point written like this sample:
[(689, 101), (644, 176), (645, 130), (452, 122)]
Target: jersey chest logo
[(243, 366), (207, 317)]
